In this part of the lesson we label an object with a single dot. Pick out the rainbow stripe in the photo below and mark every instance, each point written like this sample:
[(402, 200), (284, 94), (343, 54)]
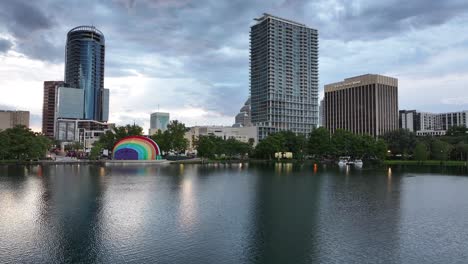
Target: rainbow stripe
[(136, 148)]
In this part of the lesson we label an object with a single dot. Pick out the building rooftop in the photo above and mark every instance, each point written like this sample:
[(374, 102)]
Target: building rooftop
[(266, 16)]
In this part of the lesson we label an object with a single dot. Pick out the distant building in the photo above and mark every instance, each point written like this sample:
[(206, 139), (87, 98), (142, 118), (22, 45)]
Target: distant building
[(243, 134), (431, 124), (409, 119), (84, 69), (158, 121), (243, 117), (84, 131), (48, 107), (322, 113), (10, 119), (366, 104), (283, 76)]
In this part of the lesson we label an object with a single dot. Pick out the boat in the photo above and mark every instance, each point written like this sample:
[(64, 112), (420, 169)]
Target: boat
[(358, 163), (343, 160)]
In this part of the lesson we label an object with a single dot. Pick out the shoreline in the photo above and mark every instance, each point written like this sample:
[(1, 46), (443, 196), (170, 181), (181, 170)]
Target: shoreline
[(451, 163)]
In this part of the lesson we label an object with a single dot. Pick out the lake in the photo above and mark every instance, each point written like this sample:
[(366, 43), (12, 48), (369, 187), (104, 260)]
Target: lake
[(238, 213)]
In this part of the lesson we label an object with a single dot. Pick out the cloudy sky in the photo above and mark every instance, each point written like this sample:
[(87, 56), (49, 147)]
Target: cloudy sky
[(191, 58)]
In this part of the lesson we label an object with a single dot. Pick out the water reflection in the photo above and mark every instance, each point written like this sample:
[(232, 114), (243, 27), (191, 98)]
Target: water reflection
[(232, 213)]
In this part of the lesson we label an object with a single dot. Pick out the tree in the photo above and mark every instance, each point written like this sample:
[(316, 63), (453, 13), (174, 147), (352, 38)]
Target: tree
[(21, 143), (400, 141), (177, 131), (462, 150), (163, 139), (206, 147), (420, 152), (457, 131), (342, 141), (319, 143), (440, 150)]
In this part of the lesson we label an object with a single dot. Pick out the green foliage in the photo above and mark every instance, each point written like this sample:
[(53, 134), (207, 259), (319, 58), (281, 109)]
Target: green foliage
[(163, 139), (420, 152), (440, 150), (400, 141), (21, 143), (319, 143), (177, 140), (457, 131), (212, 146)]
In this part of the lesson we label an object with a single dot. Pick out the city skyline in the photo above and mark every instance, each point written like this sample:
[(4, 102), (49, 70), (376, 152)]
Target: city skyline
[(162, 53)]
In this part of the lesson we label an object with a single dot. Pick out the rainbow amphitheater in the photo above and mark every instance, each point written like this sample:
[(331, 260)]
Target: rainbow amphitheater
[(136, 148)]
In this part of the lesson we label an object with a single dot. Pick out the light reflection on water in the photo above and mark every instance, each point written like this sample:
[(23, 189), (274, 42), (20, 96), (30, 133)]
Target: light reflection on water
[(232, 213)]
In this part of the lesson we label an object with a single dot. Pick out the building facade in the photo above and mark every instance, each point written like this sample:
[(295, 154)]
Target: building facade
[(10, 119), (84, 69), (243, 134), (78, 130), (49, 107), (322, 113), (283, 76), (158, 121), (431, 124), (366, 104)]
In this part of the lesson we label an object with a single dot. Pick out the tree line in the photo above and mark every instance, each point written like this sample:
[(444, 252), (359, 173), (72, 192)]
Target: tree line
[(21, 143), (404, 144)]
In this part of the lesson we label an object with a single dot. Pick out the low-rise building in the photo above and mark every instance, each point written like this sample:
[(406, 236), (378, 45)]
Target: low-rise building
[(243, 134), (431, 124), (10, 119), (85, 132)]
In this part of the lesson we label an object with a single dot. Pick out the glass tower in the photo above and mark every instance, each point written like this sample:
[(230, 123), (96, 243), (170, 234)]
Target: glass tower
[(84, 68), (283, 76)]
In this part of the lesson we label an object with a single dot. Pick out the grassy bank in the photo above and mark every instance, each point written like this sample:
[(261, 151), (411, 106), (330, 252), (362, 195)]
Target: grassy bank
[(427, 162)]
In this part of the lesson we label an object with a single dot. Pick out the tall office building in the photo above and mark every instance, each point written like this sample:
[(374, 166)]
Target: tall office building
[(158, 121), (283, 76), (84, 69), (366, 104), (49, 107), (10, 119)]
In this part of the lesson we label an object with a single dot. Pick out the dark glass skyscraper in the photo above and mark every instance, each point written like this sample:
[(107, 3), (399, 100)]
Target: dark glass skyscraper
[(84, 69)]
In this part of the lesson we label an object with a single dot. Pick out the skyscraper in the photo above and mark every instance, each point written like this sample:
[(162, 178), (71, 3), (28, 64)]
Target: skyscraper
[(158, 121), (49, 107), (84, 69), (283, 76), (366, 104)]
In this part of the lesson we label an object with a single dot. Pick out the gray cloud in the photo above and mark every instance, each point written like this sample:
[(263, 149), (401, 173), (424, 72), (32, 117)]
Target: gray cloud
[(5, 45), (208, 40)]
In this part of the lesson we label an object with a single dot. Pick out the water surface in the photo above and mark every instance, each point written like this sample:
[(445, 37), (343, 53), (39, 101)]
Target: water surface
[(238, 213)]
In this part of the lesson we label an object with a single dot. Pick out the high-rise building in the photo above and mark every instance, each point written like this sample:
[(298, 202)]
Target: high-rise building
[(242, 119), (283, 76), (158, 121), (84, 69), (10, 119), (49, 107), (366, 104)]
